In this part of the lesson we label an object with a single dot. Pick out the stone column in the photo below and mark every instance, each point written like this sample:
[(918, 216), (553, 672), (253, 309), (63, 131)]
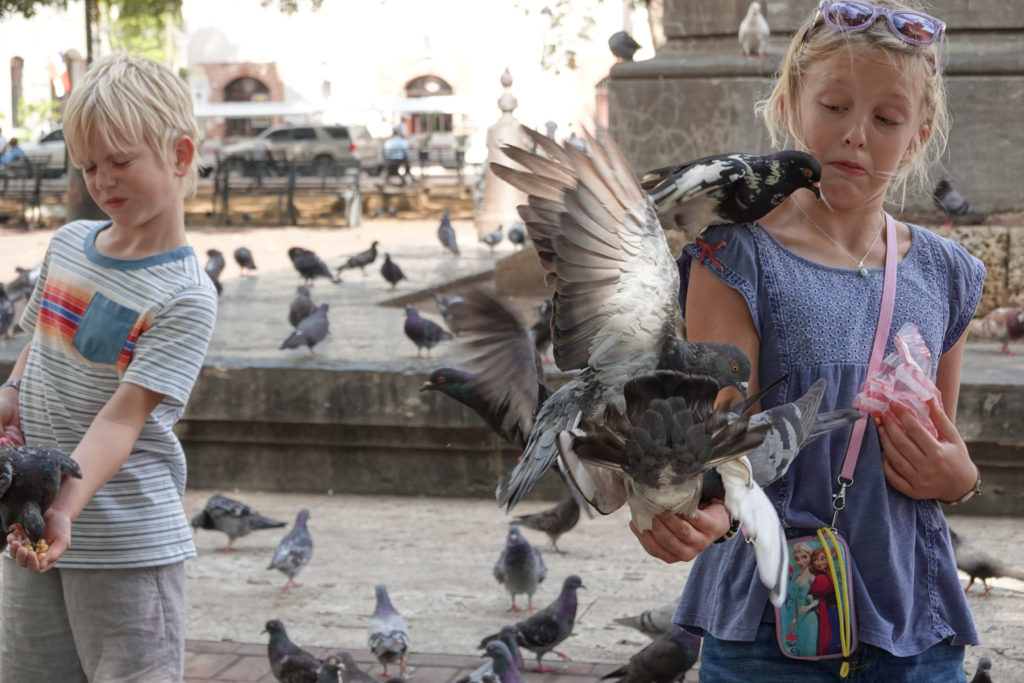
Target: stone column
[(500, 199)]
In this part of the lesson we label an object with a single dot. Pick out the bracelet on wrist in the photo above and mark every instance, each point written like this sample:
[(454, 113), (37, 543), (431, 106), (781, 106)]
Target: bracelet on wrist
[(13, 383), (976, 489)]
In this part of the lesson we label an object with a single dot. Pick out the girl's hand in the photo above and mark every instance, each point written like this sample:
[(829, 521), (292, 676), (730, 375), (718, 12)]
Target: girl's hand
[(677, 538), (57, 537), (920, 465)]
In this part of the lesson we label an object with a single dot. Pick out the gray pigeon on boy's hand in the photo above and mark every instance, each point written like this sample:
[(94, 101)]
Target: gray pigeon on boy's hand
[(30, 478), (520, 567), (294, 551)]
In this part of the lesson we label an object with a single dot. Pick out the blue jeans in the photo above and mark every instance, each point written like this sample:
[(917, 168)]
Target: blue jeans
[(725, 661)]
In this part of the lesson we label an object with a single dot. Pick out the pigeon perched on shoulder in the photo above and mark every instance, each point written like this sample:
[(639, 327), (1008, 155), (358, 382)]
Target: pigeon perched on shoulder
[(6, 314), (350, 671), (294, 551), (665, 660), (244, 259), (388, 633), (978, 564), (424, 333), (754, 32), (553, 521), (982, 673), (653, 622), (30, 478), (542, 631), (446, 233), (233, 517), (288, 662), (362, 259), (516, 234), (493, 238), (310, 331), (958, 209), (623, 45), (310, 265), (520, 567), (391, 272), (444, 304), (725, 189), (214, 267), (301, 307), (1003, 325)]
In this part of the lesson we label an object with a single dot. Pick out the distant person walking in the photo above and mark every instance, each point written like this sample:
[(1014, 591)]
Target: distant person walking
[(396, 153)]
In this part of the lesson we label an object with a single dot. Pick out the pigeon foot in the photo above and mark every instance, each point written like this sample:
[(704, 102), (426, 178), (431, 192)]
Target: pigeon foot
[(563, 656), (1008, 352), (707, 251)]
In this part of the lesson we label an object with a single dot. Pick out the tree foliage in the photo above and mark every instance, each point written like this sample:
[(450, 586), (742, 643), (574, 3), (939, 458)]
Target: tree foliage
[(136, 8)]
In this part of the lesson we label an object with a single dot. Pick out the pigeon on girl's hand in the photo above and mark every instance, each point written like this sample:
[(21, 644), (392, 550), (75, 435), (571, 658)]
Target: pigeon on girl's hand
[(446, 234), (233, 517), (310, 265), (653, 622), (553, 521), (520, 567), (958, 209), (362, 259), (6, 314), (288, 662), (516, 234), (391, 272), (30, 478), (754, 32), (542, 631), (623, 45), (978, 564), (492, 238), (666, 659), (727, 189), (301, 307), (310, 331), (243, 257), (350, 671), (294, 551), (424, 333), (388, 633)]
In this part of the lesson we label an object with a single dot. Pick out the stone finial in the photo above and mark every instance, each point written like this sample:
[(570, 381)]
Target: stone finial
[(506, 78)]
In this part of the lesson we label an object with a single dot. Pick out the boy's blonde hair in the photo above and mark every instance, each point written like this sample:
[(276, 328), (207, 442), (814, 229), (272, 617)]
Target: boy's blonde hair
[(915, 62), (124, 100)]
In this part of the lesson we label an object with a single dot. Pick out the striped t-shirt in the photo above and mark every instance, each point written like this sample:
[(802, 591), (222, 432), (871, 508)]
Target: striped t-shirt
[(98, 321)]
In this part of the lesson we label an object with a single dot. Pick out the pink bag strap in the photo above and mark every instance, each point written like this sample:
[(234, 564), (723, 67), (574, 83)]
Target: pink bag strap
[(877, 349)]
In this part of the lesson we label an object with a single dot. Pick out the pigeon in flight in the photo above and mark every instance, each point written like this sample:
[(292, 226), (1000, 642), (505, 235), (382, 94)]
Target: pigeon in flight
[(233, 517), (516, 234), (666, 659), (542, 631), (6, 314), (362, 259), (623, 45), (520, 567), (30, 478), (958, 209), (388, 633), (424, 333), (243, 257), (446, 234), (553, 521), (978, 564), (540, 331), (1001, 324), (294, 551), (288, 662), (754, 32), (653, 622), (301, 307), (391, 272), (214, 267), (310, 265), (493, 238), (310, 331)]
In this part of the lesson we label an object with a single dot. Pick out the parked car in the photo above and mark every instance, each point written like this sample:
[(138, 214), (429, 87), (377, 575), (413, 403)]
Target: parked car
[(367, 149), (47, 153), (313, 147)]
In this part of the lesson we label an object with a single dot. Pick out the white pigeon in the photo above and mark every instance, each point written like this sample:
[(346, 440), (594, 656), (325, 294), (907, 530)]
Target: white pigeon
[(754, 32)]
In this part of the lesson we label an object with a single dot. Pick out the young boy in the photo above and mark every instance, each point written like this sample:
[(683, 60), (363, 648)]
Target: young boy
[(120, 320)]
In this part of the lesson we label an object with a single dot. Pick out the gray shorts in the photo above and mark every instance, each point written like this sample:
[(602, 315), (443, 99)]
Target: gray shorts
[(106, 625)]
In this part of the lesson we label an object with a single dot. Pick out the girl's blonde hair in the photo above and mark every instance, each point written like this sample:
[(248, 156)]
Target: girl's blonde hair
[(914, 61), (124, 100)]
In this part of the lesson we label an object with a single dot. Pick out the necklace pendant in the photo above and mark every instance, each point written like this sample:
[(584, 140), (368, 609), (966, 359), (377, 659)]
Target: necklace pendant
[(863, 270)]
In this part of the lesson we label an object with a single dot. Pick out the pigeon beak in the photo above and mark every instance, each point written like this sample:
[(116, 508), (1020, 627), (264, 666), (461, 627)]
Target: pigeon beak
[(427, 386), (816, 189), (744, 385)]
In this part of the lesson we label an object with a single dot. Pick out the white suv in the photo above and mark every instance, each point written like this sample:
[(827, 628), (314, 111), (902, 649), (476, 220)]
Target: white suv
[(318, 148)]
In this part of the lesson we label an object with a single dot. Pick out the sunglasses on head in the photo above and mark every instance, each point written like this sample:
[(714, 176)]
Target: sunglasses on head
[(915, 28)]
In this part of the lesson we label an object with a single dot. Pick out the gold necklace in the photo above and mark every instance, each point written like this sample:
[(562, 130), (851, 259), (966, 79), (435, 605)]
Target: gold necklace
[(860, 262)]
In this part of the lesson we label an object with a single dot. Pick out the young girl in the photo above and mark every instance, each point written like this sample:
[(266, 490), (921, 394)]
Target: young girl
[(861, 89)]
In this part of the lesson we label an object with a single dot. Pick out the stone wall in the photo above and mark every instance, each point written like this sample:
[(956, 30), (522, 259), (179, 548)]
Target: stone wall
[(1001, 248)]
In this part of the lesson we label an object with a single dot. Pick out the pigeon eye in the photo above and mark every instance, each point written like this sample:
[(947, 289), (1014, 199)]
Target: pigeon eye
[(735, 368), (807, 173), (441, 380)]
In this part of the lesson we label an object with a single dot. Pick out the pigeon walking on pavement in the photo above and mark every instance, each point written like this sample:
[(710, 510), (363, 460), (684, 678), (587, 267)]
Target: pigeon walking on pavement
[(982, 674), (362, 259), (446, 233), (301, 307), (424, 333), (754, 32), (6, 314), (542, 631), (391, 272), (653, 622), (294, 551), (958, 209), (493, 238), (520, 567), (310, 331), (288, 662), (214, 267), (30, 478), (623, 45), (233, 517), (244, 259), (310, 266), (553, 521), (978, 564), (388, 633), (350, 671), (1002, 324), (665, 660), (516, 234), (21, 287)]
